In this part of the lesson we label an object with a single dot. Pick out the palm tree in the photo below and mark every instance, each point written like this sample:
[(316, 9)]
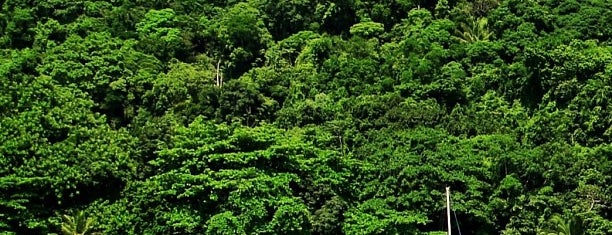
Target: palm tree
[(560, 226), (77, 224), (476, 30)]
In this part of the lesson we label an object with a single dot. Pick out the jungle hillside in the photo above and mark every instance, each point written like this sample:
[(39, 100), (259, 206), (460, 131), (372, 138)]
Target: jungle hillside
[(305, 117)]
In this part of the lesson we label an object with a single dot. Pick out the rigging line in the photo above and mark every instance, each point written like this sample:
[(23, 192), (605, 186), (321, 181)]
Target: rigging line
[(457, 222)]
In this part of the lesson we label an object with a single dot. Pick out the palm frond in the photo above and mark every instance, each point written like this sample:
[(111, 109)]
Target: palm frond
[(78, 224), (564, 226), (473, 31)]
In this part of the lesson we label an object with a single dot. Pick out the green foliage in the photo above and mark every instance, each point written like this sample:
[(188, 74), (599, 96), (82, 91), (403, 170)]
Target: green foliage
[(305, 117), (558, 225), (244, 37), (475, 30), (287, 17), (158, 35), (374, 217), (367, 29), (78, 224)]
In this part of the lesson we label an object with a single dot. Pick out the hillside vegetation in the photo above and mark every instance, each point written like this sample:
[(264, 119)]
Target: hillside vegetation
[(305, 116)]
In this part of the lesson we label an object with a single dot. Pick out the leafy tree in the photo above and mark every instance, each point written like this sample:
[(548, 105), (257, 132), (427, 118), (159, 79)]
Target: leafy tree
[(374, 217), (367, 29), (116, 79), (158, 34), (244, 37), (287, 17)]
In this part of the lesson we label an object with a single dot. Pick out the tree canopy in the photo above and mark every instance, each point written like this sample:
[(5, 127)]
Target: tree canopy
[(305, 117)]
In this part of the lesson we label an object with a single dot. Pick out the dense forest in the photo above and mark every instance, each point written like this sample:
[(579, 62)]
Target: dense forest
[(305, 116)]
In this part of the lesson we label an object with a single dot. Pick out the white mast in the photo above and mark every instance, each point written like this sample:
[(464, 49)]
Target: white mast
[(448, 215)]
